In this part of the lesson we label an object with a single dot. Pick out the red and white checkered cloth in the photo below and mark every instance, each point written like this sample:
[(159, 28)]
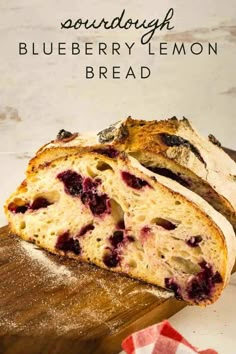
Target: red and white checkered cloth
[(161, 338)]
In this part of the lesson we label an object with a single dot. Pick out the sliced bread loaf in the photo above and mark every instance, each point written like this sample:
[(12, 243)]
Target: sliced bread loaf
[(174, 149), (111, 211), (171, 148)]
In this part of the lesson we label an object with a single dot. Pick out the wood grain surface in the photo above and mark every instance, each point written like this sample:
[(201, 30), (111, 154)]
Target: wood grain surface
[(54, 305)]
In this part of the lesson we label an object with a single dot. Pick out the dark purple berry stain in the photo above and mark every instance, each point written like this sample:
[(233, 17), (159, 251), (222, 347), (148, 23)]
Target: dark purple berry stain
[(194, 241), (145, 230), (90, 185), (98, 204), (145, 233), (116, 238), (68, 244), (199, 290), (72, 182), (109, 152), (201, 286), (86, 229), (14, 208), (21, 209), (111, 260), (133, 181), (86, 189), (217, 278), (172, 285), (39, 203)]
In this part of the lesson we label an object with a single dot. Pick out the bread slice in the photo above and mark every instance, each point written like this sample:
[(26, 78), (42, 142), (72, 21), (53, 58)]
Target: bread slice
[(174, 149), (171, 148), (114, 213)]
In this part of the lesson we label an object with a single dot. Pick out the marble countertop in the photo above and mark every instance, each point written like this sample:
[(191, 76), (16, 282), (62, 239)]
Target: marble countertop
[(40, 95)]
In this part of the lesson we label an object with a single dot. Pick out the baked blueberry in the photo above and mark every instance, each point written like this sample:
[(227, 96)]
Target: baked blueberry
[(39, 203), (133, 181), (72, 182), (117, 238), (172, 285), (111, 260), (194, 241), (67, 243)]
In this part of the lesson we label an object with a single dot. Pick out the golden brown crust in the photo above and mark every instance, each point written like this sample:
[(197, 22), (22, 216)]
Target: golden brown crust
[(145, 135), (219, 236), (149, 136), (145, 138), (161, 142)]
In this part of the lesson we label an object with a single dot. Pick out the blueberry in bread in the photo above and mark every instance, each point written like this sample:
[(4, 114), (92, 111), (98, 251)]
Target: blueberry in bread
[(171, 148), (174, 149), (107, 209)]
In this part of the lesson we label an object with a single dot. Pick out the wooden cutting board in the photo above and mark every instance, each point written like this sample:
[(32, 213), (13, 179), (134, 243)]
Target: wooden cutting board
[(52, 305)]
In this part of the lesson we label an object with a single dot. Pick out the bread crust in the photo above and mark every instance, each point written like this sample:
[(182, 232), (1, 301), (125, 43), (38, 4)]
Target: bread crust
[(193, 156), (200, 164), (218, 225)]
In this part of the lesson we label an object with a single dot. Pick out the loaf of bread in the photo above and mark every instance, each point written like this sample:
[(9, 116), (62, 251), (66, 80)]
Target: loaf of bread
[(102, 206), (171, 148), (174, 149)]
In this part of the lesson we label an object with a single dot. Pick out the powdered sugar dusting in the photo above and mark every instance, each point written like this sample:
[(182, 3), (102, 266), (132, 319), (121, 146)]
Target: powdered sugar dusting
[(160, 293), (58, 296), (37, 255)]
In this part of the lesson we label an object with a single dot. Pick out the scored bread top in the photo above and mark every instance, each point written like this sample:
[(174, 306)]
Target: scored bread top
[(170, 139), (179, 142)]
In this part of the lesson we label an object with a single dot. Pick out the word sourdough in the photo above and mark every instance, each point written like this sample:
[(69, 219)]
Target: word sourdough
[(126, 24)]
